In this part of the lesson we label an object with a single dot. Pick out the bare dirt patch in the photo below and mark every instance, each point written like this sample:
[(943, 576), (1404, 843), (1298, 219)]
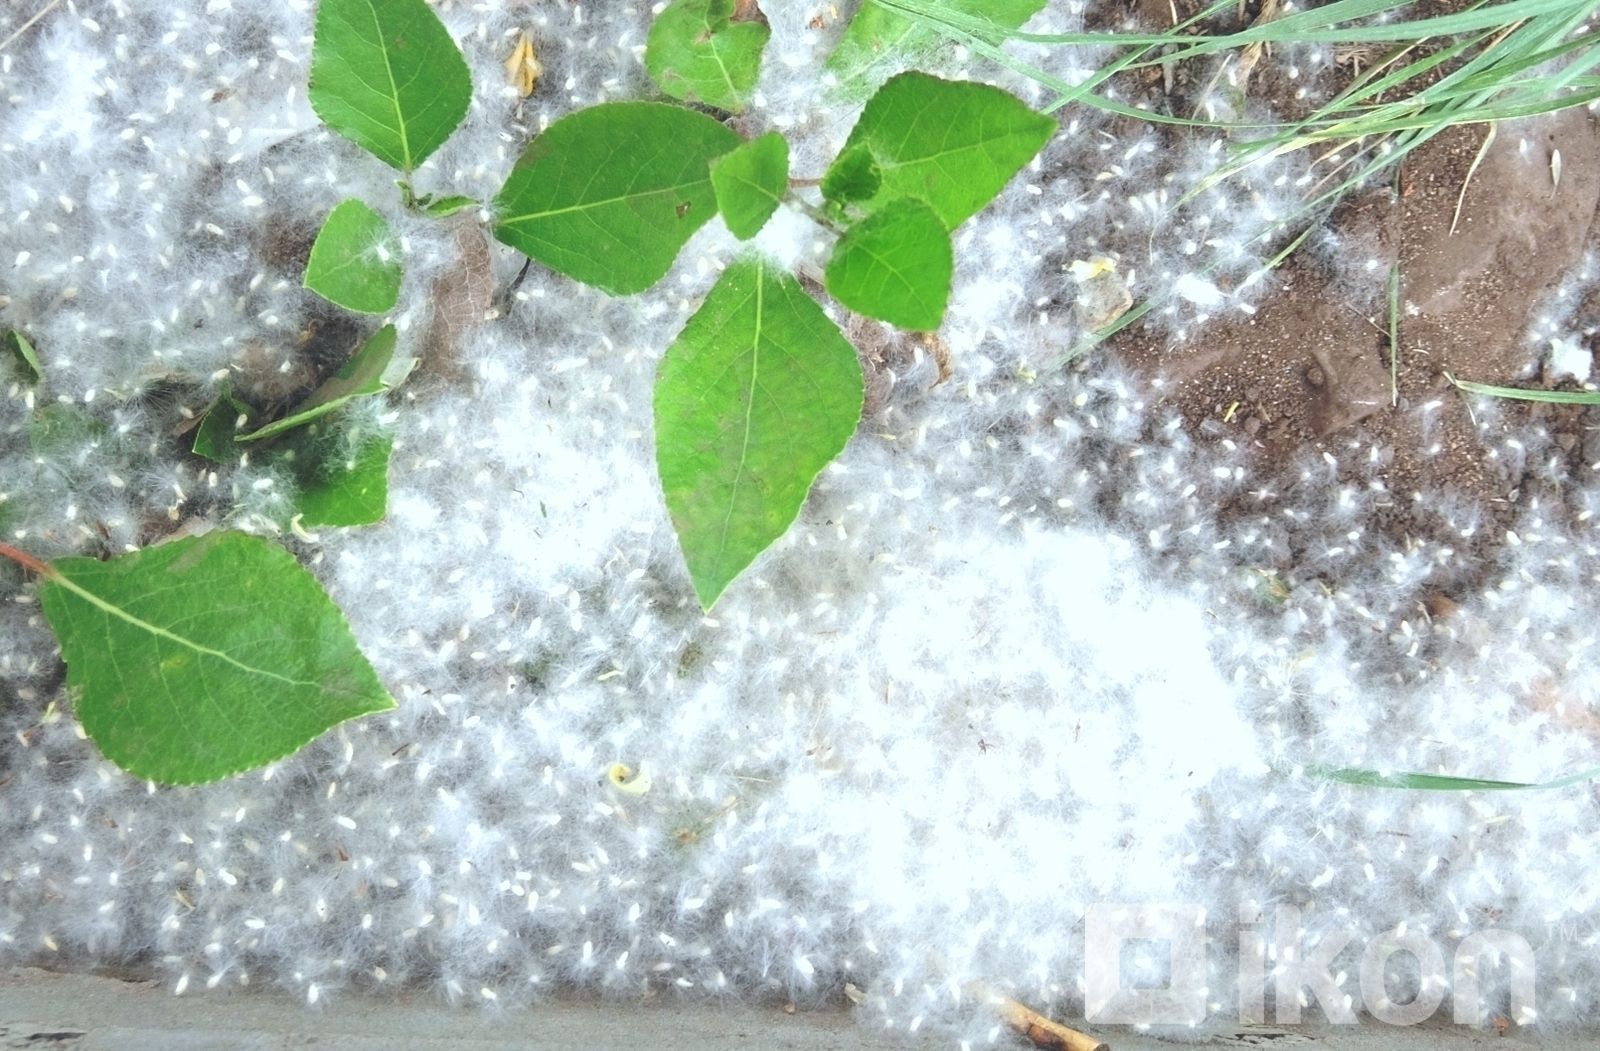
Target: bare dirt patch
[(1312, 367)]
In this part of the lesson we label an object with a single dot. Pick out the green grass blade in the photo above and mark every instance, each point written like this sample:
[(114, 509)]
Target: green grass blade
[(1553, 397), (1418, 782), (1323, 24)]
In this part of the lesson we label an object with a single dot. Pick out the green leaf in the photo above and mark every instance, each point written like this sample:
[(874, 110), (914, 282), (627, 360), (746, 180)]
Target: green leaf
[(339, 483), (750, 182), (951, 143), (355, 263), (222, 422), (878, 39), (754, 398), (59, 432), (386, 75), (609, 194), (360, 377), (22, 353), (199, 658), (895, 265), (854, 176), (696, 52), (444, 207)]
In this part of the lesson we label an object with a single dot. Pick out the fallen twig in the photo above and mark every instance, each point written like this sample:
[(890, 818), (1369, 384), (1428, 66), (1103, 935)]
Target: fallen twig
[(1038, 1029), (24, 27)]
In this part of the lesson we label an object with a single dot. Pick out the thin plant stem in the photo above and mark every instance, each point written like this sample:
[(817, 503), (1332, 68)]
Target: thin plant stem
[(815, 214), (26, 561)]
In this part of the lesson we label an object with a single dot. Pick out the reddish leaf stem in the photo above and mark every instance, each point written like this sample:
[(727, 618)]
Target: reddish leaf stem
[(26, 561)]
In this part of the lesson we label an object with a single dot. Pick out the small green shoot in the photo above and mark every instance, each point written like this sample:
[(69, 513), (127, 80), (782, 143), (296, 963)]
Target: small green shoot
[(895, 265), (23, 355), (750, 181)]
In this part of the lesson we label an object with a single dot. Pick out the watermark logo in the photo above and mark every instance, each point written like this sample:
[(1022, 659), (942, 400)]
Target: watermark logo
[(1149, 965)]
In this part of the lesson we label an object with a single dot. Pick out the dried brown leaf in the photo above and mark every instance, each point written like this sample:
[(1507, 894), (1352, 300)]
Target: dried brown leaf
[(746, 11), (462, 295)]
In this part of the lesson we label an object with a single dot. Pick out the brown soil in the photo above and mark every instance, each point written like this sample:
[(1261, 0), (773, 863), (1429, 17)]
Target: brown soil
[(1312, 368)]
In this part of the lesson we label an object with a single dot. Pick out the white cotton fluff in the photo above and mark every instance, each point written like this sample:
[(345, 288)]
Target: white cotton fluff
[(1031, 646), (1570, 359), (1565, 324)]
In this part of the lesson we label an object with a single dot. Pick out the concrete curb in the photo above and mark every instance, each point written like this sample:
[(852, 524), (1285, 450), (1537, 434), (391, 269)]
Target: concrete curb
[(49, 1011)]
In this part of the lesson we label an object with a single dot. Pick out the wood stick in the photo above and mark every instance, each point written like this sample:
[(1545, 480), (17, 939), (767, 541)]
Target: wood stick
[(24, 27), (1041, 1031)]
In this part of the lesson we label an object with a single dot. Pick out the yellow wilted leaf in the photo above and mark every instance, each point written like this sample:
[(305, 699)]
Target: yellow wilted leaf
[(523, 68), (623, 779)]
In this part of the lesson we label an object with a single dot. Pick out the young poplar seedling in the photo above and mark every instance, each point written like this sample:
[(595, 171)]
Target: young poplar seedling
[(760, 391), (204, 656), (386, 75), (750, 409)]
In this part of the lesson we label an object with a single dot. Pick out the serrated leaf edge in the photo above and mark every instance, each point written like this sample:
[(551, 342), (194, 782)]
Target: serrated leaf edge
[(57, 578)]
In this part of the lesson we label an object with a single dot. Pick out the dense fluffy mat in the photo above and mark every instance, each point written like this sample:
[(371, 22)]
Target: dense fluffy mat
[(1031, 648)]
